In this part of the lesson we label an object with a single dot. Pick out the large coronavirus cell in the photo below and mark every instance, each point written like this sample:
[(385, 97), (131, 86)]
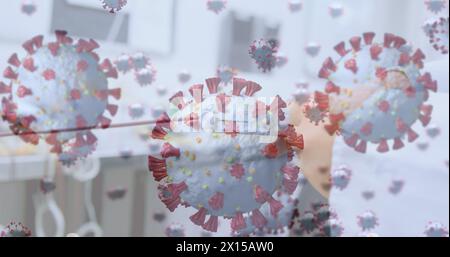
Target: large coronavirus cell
[(218, 156), (58, 92), (377, 92)]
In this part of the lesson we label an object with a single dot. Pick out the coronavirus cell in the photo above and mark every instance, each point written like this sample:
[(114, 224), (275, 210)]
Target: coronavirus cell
[(340, 177), (216, 6), (263, 52), (28, 7), (438, 34), (367, 220), (15, 229), (435, 6), (224, 153), (436, 229), (58, 92), (140, 64), (377, 92), (113, 6)]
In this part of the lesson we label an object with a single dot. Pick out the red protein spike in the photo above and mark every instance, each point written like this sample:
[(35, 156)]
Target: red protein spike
[(216, 201), (367, 129), (258, 219), (237, 170), (329, 64), (212, 224), (112, 109), (158, 133), (199, 217), (29, 64), (213, 84), (412, 135), (157, 167), (252, 88), (375, 51), (399, 42), (332, 88), (4, 89), (384, 106), (238, 85), (383, 146), (270, 151), (168, 151), (275, 206), (29, 47), (368, 38), (82, 66), (53, 47), (38, 41), (14, 60), (361, 147), (222, 101), (352, 141), (163, 121), (351, 65), (340, 49), (398, 144), (23, 91), (238, 222), (178, 100), (388, 39), (356, 43), (49, 74), (425, 120), (104, 122), (197, 92), (261, 196)]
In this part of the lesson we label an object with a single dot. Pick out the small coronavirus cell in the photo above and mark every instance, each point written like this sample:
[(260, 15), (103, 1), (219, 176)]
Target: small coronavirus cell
[(367, 220), (116, 193), (58, 92), (396, 186), (340, 177), (140, 64), (113, 6), (226, 74), (438, 34), (136, 111), (333, 228), (28, 7), (336, 10), (175, 230), (47, 185), (436, 6), (184, 76), (312, 49), (295, 5), (224, 153), (15, 229), (377, 92), (307, 222), (216, 6), (368, 195), (436, 229), (264, 53), (272, 224)]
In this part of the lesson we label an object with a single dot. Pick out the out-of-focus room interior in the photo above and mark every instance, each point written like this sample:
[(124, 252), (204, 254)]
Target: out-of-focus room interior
[(114, 194)]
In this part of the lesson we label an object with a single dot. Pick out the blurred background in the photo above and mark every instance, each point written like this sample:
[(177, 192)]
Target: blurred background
[(184, 37)]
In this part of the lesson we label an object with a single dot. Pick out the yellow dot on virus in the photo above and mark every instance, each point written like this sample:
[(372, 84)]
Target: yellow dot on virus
[(199, 205), (252, 170), (205, 186), (250, 179), (198, 140), (187, 153), (216, 136), (237, 147), (193, 157), (221, 180)]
